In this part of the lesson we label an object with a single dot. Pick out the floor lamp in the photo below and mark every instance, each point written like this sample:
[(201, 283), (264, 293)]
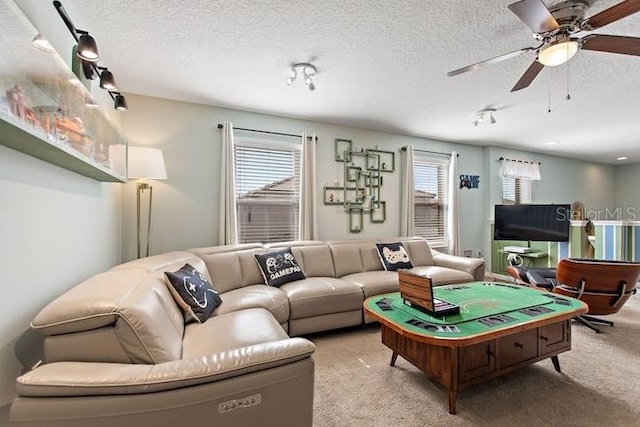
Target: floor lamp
[(144, 163)]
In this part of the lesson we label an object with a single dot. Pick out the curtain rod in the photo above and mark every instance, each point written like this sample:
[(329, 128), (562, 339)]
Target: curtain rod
[(519, 161), (431, 152), (220, 125)]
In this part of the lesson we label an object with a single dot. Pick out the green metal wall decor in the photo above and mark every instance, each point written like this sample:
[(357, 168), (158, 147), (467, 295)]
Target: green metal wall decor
[(362, 183)]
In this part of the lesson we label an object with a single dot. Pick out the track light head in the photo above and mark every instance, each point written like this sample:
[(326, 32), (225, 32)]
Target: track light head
[(120, 102), (311, 86), (291, 77), (89, 70), (107, 80), (493, 119), (87, 47)]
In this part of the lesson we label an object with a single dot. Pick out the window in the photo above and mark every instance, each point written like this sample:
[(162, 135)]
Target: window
[(516, 191), (430, 176), (267, 190)]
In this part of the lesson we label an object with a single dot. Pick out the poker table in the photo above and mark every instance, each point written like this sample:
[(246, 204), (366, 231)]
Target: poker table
[(499, 328)]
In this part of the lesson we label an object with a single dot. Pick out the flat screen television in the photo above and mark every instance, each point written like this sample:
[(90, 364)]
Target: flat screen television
[(539, 223)]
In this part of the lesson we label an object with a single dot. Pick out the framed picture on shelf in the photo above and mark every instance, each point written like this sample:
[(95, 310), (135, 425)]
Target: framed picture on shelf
[(333, 195), (378, 213), (343, 150), (355, 220)]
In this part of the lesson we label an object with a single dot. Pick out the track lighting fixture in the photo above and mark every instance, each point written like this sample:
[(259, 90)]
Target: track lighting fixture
[(307, 71), (87, 51), (483, 114)]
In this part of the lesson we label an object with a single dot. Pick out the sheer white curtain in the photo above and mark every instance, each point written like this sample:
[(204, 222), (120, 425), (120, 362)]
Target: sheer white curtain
[(308, 220), (228, 221), (521, 169), (453, 226), (407, 207)]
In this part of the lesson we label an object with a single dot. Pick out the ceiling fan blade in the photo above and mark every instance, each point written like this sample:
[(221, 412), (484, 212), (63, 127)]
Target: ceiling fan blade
[(607, 16), (490, 61), (535, 14), (528, 76), (613, 44)]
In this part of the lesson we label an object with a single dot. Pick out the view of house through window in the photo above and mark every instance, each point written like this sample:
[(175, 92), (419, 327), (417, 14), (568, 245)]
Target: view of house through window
[(516, 191), (430, 176), (267, 190)]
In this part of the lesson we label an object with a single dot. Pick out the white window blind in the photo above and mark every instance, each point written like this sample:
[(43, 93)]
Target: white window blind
[(267, 190), (516, 190), (430, 176)]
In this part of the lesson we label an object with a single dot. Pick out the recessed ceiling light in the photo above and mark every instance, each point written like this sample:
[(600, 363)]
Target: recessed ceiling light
[(550, 143), (622, 158)]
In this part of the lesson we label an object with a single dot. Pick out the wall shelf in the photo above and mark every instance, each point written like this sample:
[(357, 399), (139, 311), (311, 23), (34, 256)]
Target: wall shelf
[(46, 111)]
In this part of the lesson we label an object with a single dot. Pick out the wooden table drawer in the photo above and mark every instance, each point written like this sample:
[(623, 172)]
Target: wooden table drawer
[(513, 349)]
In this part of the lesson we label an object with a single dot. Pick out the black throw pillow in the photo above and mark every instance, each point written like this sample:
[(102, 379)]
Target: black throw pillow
[(279, 267), (193, 293), (393, 256)]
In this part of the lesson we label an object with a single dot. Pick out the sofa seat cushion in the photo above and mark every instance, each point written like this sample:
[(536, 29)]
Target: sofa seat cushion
[(374, 282), (316, 296), (256, 296), (231, 331), (443, 275)]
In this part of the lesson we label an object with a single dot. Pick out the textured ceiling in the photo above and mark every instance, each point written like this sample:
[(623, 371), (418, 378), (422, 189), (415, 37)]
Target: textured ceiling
[(381, 65)]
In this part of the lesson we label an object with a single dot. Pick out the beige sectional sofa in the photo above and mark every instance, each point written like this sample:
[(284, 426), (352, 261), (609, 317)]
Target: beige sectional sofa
[(118, 352)]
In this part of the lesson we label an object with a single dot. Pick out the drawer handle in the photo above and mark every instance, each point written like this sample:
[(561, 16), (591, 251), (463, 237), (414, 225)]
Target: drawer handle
[(543, 338), (491, 352), (517, 344)]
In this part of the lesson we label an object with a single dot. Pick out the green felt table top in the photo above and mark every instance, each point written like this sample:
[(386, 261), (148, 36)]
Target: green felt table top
[(484, 306)]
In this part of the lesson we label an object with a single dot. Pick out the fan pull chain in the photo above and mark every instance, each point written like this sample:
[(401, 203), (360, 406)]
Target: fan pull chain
[(568, 96), (549, 93)]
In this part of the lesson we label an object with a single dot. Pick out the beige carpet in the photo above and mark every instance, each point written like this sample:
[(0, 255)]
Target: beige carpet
[(599, 386)]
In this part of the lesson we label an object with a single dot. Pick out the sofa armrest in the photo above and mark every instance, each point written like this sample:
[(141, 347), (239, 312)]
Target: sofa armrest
[(473, 266), (93, 379)]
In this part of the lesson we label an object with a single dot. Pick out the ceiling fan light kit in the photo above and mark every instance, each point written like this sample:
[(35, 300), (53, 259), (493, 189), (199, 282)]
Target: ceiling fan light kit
[(554, 28), (558, 51)]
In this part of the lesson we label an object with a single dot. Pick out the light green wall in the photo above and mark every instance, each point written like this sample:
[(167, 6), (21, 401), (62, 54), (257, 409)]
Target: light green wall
[(58, 228), (186, 205), (627, 193)]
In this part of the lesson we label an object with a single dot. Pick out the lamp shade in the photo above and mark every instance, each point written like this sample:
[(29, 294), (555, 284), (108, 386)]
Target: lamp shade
[(146, 163)]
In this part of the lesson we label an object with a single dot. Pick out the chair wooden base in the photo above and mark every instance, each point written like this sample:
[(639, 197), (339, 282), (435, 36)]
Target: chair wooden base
[(589, 321)]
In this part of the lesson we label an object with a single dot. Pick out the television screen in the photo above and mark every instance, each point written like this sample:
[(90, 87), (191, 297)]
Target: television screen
[(540, 223)]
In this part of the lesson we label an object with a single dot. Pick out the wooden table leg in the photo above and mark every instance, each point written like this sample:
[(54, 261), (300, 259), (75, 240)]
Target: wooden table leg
[(452, 401), (394, 356), (556, 363)]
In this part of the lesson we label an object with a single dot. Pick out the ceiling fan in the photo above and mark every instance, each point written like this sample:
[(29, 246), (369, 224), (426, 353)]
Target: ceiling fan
[(556, 29)]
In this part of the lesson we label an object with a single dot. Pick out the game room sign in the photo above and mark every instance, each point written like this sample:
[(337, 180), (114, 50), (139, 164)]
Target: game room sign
[(469, 181)]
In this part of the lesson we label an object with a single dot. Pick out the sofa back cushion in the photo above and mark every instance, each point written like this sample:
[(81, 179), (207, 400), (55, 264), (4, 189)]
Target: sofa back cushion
[(232, 266), (354, 256), (315, 260), (133, 298)]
